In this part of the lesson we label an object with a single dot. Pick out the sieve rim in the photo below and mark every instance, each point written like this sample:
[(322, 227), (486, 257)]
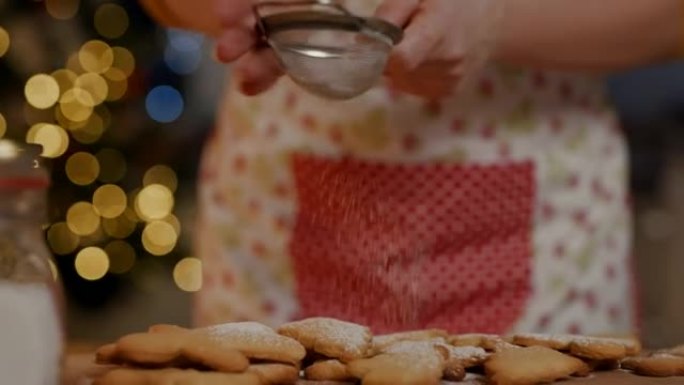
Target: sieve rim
[(372, 26)]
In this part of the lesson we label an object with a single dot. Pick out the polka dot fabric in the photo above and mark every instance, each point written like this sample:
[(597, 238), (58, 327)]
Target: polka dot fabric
[(428, 246)]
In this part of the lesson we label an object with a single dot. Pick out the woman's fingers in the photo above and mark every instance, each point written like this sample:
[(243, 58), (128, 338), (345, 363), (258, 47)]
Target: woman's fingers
[(234, 43), (398, 12), (257, 71), (420, 39)]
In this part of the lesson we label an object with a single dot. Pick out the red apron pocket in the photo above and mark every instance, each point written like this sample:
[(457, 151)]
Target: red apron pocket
[(400, 247)]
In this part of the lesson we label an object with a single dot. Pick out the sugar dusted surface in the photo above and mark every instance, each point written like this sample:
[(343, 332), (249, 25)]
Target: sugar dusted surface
[(467, 352), (250, 333), (349, 336)]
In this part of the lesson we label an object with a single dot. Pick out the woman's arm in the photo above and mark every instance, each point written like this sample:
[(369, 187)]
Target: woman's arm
[(602, 35), (198, 15)]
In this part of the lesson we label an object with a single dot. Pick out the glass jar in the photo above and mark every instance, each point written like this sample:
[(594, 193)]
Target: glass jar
[(31, 307)]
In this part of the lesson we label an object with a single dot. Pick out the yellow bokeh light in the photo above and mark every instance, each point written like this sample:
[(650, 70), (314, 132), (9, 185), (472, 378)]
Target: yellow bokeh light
[(154, 202), (174, 222), (90, 132), (118, 84), (96, 56), (121, 257), (42, 91), (123, 60), (163, 175), (109, 201), (92, 263), (82, 168), (5, 42), (112, 165), (73, 64), (61, 240), (3, 126), (120, 227), (62, 9), (159, 238), (76, 105), (188, 274), (94, 239), (111, 20), (53, 138), (82, 219), (65, 79), (95, 85)]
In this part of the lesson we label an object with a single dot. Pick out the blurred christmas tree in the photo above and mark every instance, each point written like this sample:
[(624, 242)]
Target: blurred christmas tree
[(104, 91)]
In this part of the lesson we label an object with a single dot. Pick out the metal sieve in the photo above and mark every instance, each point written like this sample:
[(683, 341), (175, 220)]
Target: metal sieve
[(325, 48)]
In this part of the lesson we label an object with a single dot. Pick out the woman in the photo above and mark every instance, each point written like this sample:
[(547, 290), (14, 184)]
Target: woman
[(482, 187)]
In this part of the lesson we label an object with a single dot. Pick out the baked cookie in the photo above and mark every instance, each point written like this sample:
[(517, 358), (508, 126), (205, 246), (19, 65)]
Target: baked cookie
[(551, 341), (676, 351), (490, 342), (657, 365), (383, 341), (159, 350), (328, 370), (256, 342), (275, 374), (174, 377), (591, 348), (601, 349), (407, 363), (467, 356), (531, 366), (331, 338)]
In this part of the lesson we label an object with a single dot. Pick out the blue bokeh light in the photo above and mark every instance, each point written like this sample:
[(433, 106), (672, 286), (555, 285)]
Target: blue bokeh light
[(182, 63), (164, 104)]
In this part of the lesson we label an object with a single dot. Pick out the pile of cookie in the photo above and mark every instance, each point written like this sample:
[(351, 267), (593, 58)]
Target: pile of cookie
[(329, 350)]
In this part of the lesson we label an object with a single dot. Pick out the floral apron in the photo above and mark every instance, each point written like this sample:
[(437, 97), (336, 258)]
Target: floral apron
[(504, 210)]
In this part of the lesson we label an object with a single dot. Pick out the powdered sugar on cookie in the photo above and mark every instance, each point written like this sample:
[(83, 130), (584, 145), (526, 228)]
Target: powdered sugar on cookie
[(330, 337)]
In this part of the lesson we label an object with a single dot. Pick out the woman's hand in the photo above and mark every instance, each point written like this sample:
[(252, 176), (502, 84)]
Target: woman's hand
[(445, 41), (255, 66)]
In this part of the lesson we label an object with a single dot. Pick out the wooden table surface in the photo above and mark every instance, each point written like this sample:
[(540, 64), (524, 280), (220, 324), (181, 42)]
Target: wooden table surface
[(80, 369)]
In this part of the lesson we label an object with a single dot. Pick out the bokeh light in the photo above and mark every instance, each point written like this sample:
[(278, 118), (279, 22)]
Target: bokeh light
[(5, 42), (174, 222), (90, 131), (123, 60), (95, 85), (62, 9), (121, 257), (188, 274), (164, 104), (163, 175), (96, 56), (109, 201), (53, 138), (3, 126), (111, 20), (65, 79), (117, 83), (154, 202), (42, 91), (73, 64), (76, 105), (183, 53), (82, 219), (61, 240), (112, 165), (120, 227), (92, 263), (159, 238), (82, 168)]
